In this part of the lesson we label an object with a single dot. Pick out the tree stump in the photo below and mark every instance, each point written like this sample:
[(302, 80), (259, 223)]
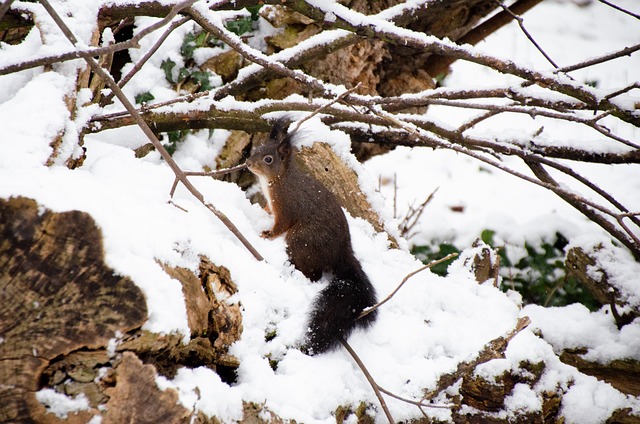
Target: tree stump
[(56, 296)]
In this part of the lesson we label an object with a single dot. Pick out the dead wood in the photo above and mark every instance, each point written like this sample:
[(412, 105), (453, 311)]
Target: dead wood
[(136, 398), (323, 163), (623, 374), (60, 306), (56, 296), (582, 266)]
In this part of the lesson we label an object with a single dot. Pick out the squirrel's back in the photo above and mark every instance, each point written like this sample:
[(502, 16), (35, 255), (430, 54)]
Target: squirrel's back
[(318, 241)]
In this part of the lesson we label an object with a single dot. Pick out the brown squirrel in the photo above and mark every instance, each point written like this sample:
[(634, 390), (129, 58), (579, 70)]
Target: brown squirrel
[(318, 241)]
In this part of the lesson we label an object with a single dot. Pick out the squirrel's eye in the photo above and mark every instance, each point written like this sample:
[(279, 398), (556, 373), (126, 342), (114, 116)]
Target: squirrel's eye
[(268, 159)]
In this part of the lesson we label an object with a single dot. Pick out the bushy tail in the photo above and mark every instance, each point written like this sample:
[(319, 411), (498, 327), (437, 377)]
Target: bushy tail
[(336, 310)]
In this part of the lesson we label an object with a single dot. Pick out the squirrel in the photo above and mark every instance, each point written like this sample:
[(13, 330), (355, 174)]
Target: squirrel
[(318, 241)]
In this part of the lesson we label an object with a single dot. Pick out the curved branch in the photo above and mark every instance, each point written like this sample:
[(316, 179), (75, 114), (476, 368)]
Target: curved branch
[(371, 27), (248, 117), (99, 51)]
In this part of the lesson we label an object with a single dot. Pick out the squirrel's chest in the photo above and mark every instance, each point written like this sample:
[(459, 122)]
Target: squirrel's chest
[(265, 186)]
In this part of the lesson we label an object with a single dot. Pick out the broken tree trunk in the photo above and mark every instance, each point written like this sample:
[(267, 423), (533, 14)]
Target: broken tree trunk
[(57, 296), (69, 323)]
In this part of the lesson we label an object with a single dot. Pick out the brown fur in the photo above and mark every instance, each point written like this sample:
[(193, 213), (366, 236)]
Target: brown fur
[(318, 239)]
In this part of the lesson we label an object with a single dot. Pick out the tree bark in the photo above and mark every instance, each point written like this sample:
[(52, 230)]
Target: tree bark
[(56, 296)]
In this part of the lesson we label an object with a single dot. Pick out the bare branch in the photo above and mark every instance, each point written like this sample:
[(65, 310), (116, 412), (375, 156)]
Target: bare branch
[(136, 68), (623, 10), (217, 172), (367, 311), (605, 58), (374, 28), (369, 378), (520, 21), (148, 132)]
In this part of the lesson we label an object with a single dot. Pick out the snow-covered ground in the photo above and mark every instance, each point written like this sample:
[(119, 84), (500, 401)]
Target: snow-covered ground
[(431, 325)]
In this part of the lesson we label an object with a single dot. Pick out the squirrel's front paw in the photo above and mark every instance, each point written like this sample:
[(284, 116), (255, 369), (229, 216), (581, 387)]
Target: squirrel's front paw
[(268, 234)]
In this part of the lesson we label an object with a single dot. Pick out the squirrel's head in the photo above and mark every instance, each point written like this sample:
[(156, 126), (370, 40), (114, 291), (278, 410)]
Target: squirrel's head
[(273, 158)]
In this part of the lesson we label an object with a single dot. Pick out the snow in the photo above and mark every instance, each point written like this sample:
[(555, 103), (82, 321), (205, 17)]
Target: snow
[(617, 264), (431, 324), (61, 405), (591, 402), (574, 326), (44, 122), (201, 389)]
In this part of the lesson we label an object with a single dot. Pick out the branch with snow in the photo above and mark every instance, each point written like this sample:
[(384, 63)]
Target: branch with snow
[(482, 123)]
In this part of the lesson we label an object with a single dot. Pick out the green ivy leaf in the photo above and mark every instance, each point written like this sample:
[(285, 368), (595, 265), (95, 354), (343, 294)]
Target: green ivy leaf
[(201, 39), (203, 80), (188, 46), (240, 26), (254, 10), (167, 66), (144, 97), (183, 74), (427, 254)]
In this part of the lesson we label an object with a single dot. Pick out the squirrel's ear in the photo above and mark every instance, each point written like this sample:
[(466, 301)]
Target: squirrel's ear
[(284, 147), (280, 136)]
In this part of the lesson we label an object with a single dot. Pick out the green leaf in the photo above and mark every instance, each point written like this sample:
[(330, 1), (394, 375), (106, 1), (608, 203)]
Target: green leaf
[(201, 39), (427, 254), (167, 66), (487, 237), (592, 83), (183, 74), (144, 97), (254, 10), (188, 46), (240, 26), (174, 137), (203, 80)]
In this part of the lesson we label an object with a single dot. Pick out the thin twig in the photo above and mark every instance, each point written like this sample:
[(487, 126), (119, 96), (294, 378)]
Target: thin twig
[(622, 90), (99, 51), (419, 403), (148, 132), (624, 52), (413, 215), (520, 21), (136, 68), (553, 291), (216, 172), (635, 15), (327, 105), (475, 121), (369, 378), (404, 280)]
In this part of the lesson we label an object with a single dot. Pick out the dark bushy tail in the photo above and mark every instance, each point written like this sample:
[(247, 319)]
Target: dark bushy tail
[(336, 310)]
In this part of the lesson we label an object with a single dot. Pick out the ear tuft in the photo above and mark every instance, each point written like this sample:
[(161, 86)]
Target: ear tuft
[(279, 130), (281, 137)]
